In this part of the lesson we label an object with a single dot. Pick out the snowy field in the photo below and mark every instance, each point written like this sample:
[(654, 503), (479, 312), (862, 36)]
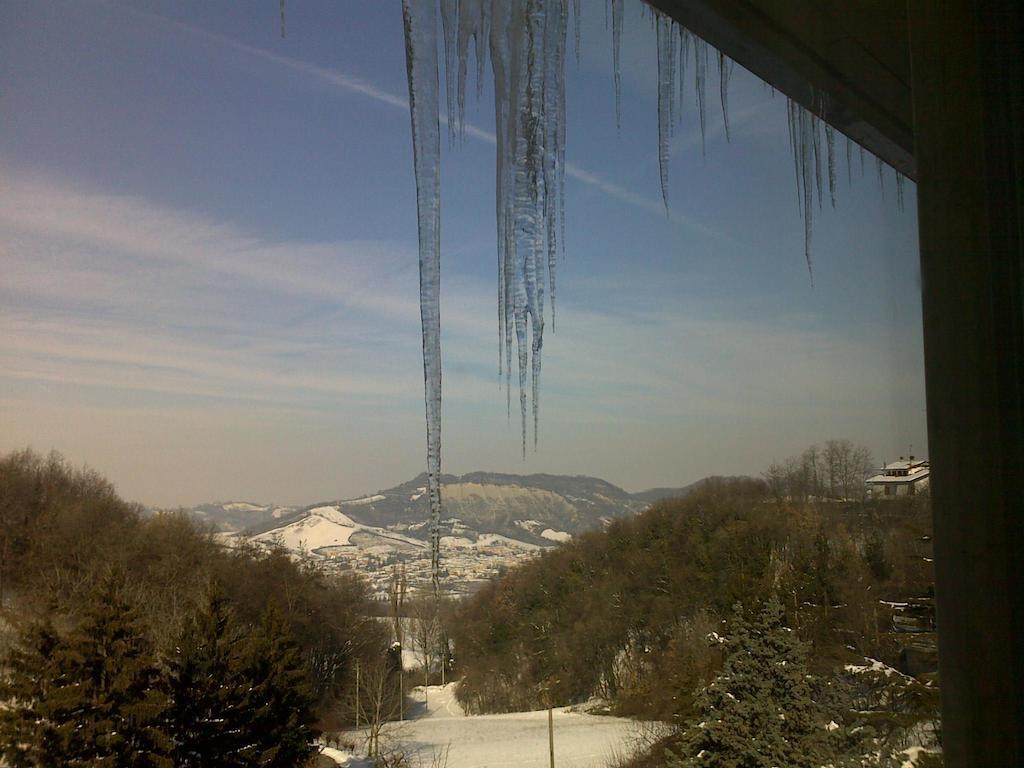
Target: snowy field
[(493, 741)]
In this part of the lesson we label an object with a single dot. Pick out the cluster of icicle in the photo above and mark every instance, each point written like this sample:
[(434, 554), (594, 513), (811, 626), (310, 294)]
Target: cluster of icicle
[(806, 131), (526, 43), (674, 44)]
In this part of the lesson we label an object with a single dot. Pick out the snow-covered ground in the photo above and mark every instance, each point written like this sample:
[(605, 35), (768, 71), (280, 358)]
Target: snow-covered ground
[(494, 741)]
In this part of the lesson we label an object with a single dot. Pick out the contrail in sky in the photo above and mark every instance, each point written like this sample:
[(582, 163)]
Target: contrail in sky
[(334, 78)]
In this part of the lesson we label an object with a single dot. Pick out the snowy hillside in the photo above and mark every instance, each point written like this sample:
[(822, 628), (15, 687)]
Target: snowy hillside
[(492, 521), (438, 726)]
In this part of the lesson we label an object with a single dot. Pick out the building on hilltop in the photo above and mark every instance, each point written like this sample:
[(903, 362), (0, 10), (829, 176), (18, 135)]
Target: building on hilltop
[(900, 478)]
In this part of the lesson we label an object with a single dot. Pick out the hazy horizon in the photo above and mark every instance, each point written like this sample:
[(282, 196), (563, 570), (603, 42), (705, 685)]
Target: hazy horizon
[(210, 266)]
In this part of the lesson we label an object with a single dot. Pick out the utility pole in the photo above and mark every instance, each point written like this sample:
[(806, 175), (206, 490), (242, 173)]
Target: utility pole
[(551, 734), (546, 698)]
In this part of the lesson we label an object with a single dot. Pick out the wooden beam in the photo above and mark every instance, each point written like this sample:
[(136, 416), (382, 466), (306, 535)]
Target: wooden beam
[(856, 55)]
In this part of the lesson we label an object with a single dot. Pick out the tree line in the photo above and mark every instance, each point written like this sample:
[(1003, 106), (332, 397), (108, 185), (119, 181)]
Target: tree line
[(155, 639), (647, 613)]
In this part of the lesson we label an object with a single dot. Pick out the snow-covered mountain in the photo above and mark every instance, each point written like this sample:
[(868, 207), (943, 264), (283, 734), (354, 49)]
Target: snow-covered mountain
[(538, 510), (492, 521)]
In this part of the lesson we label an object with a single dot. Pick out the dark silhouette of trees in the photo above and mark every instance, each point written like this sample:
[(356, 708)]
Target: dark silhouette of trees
[(286, 638), (92, 696)]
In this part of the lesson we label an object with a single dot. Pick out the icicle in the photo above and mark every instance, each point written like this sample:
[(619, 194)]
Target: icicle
[(450, 25), (666, 90), (617, 58), (802, 131), (528, 43), (576, 24), (899, 190), (861, 160), (807, 141), (792, 116), (420, 26), (282, 18), (700, 68), (473, 22), (816, 143), (684, 51), (849, 162), (830, 145), (724, 73), (881, 177)]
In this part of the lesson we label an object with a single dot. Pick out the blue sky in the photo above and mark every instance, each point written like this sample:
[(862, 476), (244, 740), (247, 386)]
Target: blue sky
[(208, 243)]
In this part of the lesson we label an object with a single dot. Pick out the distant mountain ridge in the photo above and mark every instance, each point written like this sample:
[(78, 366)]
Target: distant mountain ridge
[(537, 509)]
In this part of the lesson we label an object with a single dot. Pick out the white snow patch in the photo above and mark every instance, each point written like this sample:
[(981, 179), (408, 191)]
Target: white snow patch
[(364, 500), (873, 665), (311, 533), (515, 739), (334, 515), (457, 542), (492, 539), (553, 535), (243, 506)]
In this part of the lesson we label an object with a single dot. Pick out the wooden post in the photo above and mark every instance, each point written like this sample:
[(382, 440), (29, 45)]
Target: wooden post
[(551, 734)]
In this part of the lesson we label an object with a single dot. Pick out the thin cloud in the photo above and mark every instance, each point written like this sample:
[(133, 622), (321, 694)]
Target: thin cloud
[(335, 79)]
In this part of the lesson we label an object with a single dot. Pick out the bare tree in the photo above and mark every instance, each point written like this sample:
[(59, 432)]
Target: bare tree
[(378, 700), (425, 628), (836, 471)]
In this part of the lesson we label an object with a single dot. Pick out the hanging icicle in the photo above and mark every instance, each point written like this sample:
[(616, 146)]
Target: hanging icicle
[(617, 58), (724, 73), (450, 22), (666, 92), (526, 41), (420, 25)]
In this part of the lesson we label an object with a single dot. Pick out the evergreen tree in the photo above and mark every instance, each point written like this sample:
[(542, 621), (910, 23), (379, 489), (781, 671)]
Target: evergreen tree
[(29, 672), (760, 711), (208, 717), (279, 700), (90, 698)]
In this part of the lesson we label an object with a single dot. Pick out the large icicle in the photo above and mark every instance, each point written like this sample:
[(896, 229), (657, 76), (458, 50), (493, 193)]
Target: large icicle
[(527, 46), (666, 40), (420, 23), (700, 69), (724, 73), (617, 13), (450, 27), (528, 42)]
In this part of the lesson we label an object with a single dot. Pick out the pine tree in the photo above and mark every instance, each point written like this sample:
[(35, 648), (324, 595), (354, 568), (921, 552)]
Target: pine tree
[(29, 671), (208, 717), (760, 711), (279, 699), (92, 697)]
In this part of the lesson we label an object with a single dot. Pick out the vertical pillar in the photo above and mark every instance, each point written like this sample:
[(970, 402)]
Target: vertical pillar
[(967, 85)]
